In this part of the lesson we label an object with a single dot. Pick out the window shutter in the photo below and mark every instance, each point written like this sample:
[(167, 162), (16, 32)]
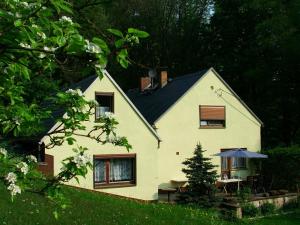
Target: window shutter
[(212, 112)]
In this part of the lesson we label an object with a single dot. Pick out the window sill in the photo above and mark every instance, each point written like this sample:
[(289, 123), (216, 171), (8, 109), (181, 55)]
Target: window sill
[(212, 127), (114, 185)]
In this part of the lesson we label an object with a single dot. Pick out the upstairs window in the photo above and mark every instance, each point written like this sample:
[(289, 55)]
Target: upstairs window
[(106, 104), (212, 116)]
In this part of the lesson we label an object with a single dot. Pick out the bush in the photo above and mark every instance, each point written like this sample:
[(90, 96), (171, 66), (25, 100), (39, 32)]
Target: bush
[(275, 175), (249, 210), (244, 194), (267, 208), (291, 205)]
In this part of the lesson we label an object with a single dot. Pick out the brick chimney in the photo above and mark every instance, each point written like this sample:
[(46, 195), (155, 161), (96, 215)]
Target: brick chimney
[(145, 82), (163, 79)]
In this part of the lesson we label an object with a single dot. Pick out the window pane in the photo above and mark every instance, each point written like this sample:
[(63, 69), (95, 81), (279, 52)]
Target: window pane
[(203, 123), (100, 171), (238, 162), (121, 170), (101, 110), (224, 163)]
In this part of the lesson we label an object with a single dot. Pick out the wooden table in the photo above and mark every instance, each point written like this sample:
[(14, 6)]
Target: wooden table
[(227, 181)]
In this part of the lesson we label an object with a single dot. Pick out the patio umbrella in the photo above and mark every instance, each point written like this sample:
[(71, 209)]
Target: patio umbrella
[(241, 153)]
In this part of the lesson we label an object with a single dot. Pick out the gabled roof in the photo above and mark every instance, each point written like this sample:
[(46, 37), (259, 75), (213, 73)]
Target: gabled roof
[(83, 85), (157, 102), (153, 104)]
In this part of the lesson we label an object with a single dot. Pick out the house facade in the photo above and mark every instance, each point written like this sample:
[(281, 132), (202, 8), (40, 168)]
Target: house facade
[(131, 174), (164, 121), (205, 110)]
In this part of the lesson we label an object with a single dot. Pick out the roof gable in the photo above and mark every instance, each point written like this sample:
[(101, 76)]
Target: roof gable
[(153, 104), (85, 85)]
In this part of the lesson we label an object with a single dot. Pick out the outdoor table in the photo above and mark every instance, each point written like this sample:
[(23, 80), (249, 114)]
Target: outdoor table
[(227, 181), (179, 183)]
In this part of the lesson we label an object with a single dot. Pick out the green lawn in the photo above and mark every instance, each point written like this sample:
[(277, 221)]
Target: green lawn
[(98, 209)]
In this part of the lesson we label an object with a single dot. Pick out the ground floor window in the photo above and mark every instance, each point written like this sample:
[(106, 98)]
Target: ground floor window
[(114, 170), (238, 163), (231, 163)]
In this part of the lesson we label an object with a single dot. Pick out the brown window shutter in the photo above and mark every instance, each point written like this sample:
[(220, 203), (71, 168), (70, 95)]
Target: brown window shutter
[(212, 112)]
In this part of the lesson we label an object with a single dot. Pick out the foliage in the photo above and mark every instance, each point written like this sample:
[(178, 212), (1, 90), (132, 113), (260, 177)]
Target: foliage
[(292, 205), (201, 178), (254, 44), (40, 46), (267, 208), (249, 210), (275, 176), (244, 194)]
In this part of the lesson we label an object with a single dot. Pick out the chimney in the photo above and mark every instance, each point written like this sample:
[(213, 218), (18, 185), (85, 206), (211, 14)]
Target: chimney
[(163, 78), (145, 83)]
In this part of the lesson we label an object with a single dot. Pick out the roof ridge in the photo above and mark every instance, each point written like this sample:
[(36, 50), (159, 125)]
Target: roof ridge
[(189, 75)]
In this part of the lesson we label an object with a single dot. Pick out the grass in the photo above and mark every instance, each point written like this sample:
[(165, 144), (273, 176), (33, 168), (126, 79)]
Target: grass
[(98, 209)]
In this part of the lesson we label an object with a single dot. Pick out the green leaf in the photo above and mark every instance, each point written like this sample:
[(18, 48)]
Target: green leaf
[(119, 43), (55, 214), (115, 32), (18, 23), (62, 6), (102, 44), (70, 140), (138, 33)]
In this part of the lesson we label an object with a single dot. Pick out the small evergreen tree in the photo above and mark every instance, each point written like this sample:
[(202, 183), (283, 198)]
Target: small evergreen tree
[(201, 176)]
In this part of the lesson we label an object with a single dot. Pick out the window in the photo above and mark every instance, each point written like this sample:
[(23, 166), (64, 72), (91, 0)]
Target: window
[(212, 116), (238, 163), (114, 170), (224, 163), (106, 104), (231, 163)]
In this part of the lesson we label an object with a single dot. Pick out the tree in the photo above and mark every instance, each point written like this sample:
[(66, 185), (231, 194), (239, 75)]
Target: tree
[(40, 47), (177, 29), (255, 45), (201, 176)]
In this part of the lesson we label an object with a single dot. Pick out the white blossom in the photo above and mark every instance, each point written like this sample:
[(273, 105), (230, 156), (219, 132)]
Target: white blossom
[(18, 15), (25, 5), (23, 167), (91, 47), (11, 177), (42, 35), (34, 26), (113, 139), (109, 115), (94, 102), (3, 152), (31, 158), (75, 92), (42, 55), (66, 19), (14, 189), (81, 160), (24, 45)]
